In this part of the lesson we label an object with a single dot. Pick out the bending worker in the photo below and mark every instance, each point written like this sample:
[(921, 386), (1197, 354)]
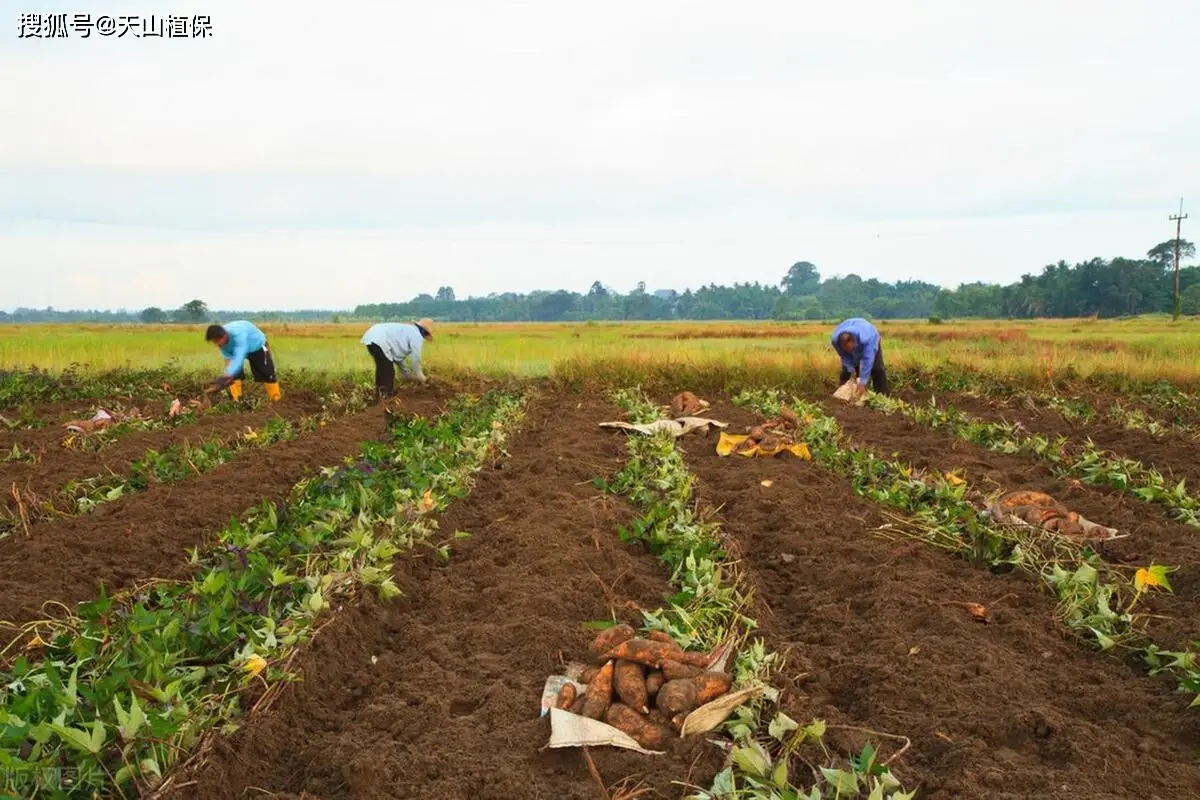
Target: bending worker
[(391, 343), (242, 341), (857, 344)]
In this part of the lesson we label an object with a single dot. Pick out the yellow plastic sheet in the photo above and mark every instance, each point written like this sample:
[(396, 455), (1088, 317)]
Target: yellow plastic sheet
[(729, 442)]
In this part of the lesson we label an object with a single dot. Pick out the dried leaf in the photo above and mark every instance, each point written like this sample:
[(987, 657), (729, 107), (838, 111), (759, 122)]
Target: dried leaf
[(254, 665)]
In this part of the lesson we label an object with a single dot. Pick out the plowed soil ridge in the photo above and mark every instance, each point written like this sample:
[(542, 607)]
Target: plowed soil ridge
[(435, 695), (58, 464), (146, 535), (1175, 456), (1010, 709), (1152, 536)]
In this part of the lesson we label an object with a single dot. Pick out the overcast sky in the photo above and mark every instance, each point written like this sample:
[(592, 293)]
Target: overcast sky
[(328, 154)]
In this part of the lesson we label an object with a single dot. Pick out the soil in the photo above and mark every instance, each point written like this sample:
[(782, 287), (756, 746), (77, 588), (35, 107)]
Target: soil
[(57, 465), (1152, 536), (146, 535), (435, 695), (1014, 708)]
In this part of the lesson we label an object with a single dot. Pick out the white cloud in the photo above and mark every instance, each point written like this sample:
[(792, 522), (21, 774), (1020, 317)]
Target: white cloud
[(545, 121)]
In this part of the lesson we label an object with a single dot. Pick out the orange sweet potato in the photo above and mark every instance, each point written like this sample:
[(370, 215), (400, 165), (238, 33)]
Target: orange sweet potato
[(577, 706), (673, 670), (710, 686), (599, 693), (654, 682), (630, 683), (645, 651), (586, 676), (609, 638), (566, 696), (644, 731), (677, 697)]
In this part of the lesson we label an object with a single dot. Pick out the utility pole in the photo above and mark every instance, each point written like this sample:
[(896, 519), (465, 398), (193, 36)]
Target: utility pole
[(1178, 220)]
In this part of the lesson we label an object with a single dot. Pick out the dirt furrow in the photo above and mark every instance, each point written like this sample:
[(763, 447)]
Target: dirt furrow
[(1014, 708), (435, 695), (57, 465), (146, 535), (1152, 536)]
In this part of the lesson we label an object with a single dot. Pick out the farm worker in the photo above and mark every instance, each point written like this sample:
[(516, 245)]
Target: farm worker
[(391, 343), (242, 341), (857, 344)]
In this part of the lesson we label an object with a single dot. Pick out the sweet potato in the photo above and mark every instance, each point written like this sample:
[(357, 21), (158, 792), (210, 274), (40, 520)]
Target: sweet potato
[(630, 683), (677, 721), (654, 682), (673, 670), (599, 693), (647, 733), (609, 638), (660, 636), (645, 651), (577, 706), (566, 696), (677, 697), (586, 676), (710, 686), (701, 660)]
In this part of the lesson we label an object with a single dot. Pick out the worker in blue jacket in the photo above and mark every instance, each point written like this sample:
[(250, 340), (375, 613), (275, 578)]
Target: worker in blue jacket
[(391, 344), (242, 341), (857, 344)]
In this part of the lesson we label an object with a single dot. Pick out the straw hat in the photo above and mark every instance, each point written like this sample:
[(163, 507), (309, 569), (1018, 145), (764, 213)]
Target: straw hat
[(427, 324)]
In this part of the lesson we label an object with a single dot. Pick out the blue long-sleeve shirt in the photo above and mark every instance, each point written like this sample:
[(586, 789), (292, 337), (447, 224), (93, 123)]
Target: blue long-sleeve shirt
[(397, 340), (244, 339), (866, 345)]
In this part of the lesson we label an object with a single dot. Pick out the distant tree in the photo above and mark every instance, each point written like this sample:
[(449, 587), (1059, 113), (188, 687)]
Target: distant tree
[(193, 311), (1164, 252), (153, 315), (801, 279), (598, 290), (445, 294)]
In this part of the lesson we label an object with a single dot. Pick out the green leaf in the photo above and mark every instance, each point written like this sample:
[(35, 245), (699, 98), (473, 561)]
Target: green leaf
[(815, 729), (781, 726), (751, 758), (842, 782), (779, 776)]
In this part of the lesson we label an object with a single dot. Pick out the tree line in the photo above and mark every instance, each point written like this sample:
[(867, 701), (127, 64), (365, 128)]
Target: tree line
[(1098, 287)]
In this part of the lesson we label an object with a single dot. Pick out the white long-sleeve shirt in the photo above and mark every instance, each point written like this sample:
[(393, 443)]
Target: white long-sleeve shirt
[(398, 341)]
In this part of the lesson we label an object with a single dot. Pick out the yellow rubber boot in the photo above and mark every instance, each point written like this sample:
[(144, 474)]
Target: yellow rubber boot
[(235, 390), (273, 392)]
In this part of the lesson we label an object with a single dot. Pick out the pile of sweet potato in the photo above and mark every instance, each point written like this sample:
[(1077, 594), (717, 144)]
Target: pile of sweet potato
[(773, 434), (643, 687)]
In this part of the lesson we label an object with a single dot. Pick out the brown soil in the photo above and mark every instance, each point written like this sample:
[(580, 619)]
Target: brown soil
[(53, 415), (450, 707), (57, 464), (146, 535), (1175, 456), (1014, 708), (1152, 535)]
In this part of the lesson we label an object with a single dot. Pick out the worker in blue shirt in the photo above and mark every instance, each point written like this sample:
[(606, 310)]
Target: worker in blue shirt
[(857, 344), (242, 341), (390, 345)]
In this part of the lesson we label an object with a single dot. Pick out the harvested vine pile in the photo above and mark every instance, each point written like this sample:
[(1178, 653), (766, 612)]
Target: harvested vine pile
[(650, 690)]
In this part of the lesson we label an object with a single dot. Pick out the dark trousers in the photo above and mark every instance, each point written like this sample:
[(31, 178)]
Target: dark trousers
[(385, 372), (879, 379), (262, 366)]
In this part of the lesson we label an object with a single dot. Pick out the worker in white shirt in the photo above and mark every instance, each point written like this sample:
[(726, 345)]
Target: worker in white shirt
[(392, 343)]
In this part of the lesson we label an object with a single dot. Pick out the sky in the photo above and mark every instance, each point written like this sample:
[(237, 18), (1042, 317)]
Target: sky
[(307, 157)]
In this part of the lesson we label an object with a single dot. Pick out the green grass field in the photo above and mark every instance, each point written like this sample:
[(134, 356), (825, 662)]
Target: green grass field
[(1141, 348)]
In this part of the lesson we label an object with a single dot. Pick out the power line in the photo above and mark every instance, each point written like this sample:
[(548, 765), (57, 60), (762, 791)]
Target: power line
[(1178, 220)]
